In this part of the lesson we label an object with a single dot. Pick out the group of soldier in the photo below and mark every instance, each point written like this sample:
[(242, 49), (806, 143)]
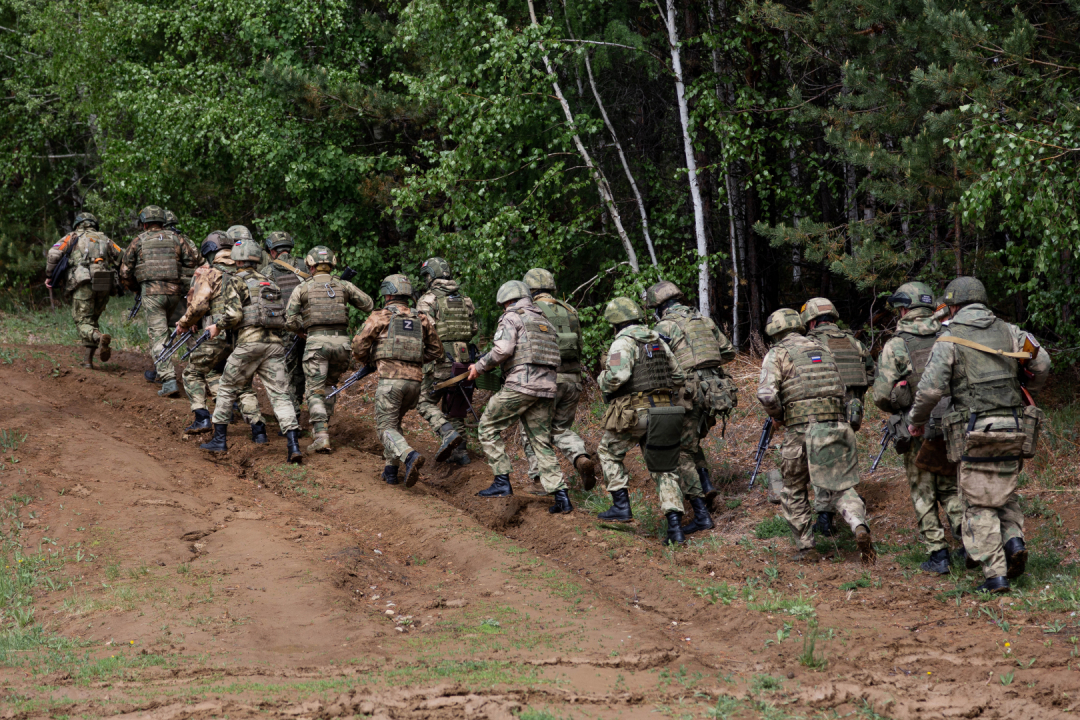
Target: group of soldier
[(956, 382)]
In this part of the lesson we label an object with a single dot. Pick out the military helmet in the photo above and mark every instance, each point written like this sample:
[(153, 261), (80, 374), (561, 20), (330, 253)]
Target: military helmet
[(660, 293), (239, 232), (819, 307), (320, 255), (85, 217), (783, 320), (912, 295), (512, 290), (152, 214), (964, 290), (540, 279), (246, 250), (212, 244), (622, 310), (395, 285), (170, 219), (435, 268), (279, 239)]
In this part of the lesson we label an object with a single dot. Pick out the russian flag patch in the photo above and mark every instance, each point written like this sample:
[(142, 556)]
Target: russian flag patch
[(815, 358)]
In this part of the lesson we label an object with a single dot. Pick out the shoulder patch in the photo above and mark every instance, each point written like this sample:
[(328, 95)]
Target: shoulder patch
[(614, 358), (815, 357)]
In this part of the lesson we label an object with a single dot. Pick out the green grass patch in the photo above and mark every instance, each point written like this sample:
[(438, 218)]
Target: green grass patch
[(718, 593), (773, 527), (22, 323), (775, 602)]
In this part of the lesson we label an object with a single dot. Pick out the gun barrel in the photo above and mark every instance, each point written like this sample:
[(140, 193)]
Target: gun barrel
[(762, 448)]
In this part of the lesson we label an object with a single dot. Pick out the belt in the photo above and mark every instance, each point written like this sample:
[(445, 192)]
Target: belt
[(333, 332)]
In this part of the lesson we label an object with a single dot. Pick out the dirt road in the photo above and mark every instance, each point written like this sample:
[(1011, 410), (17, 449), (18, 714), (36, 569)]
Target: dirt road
[(170, 584)]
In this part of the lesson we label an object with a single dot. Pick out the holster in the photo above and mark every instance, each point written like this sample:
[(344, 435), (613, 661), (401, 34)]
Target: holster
[(663, 438)]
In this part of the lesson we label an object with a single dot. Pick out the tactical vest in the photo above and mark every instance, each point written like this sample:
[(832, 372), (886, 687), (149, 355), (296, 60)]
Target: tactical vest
[(404, 340), (217, 303), (568, 329), (325, 303), (698, 347), (286, 280), (158, 257), (918, 348), (453, 317), (815, 388), (843, 346), (651, 371), (982, 382), (264, 308), (96, 260), (537, 343)]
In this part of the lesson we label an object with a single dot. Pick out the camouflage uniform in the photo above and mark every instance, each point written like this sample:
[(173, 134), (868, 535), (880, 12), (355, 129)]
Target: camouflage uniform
[(94, 253), (987, 403), (288, 280)]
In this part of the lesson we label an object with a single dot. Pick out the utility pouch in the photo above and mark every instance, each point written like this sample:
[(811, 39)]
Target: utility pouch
[(953, 425), (902, 395), (720, 394), (991, 464), (492, 380), (933, 457), (855, 414), (620, 416), (101, 281), (81, 276), (831, 456), (1029, 425), (902, 442), (663, 438)]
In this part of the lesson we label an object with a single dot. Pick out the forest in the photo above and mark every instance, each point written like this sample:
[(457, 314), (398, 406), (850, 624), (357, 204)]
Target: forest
[(757, 153)]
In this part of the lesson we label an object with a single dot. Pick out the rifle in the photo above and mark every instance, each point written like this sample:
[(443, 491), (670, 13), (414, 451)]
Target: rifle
[(172, 344), (887, 436), (136, 307), (456, 381), (198, 341), (762, 447), (351, 380), (347, 274), (64, 262)]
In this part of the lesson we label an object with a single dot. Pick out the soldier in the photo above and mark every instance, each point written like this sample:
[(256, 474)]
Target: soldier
[(801, 388), (641, 380), (287, 272), (253, 308), (400, 340), (527, 348), (154, 265), (900, 366), (568, 383), (700, 348), (975, 361), (455, 323), (856, 367), (318, 310), (205, 307), (91, 279)]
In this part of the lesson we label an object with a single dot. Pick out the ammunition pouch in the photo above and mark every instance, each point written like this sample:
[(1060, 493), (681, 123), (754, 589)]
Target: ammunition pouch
[(80, 276), (663, 438), (855, 413), (1029, 424), (898, 427), (953, 426), (902, 395), (102, 280), (717, 392)]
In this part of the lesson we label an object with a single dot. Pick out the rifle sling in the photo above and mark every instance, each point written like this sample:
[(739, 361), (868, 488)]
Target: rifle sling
[(290, 268), (982, 348)]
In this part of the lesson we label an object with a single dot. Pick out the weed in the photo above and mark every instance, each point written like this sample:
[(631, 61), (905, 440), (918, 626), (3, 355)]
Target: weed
[(775, 526), (809, 657), (10, 440), (1034, 506), (864, 581), (183, 569), (1007, 678), (765, 683), (718, 592), (726, 707), (731, 504), (798, 607)]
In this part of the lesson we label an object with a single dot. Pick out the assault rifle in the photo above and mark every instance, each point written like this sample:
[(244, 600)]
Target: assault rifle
[(136, 307), (172, 344), (887, 436), (455, 382), (198, 341), (347, 274), (351, 380), (762, 447)]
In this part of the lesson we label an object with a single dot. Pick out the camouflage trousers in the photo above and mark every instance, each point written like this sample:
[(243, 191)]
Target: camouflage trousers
[(927, 491), (393, 398), (325, 358), (202, 377), (86, 308), (430, 409), (567, 396), (614, 446), (992, 514), (504, 409), (246, 361), (692, 457), (294, 370), (161, 313)]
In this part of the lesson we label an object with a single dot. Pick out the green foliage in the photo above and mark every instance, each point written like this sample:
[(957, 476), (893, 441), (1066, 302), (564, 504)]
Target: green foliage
[(775, 526)]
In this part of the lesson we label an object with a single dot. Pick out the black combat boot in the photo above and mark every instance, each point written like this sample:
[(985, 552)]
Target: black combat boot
[(994, 585), (500, 487), (201, 424), (292, 440), (824, 524), (413, 462), (938, 562), (258, 433), (620, 508), (586, 468), (702, 519), (450, 441), (1015, 558), (674, 529), (707, 489), (562, 503), (150, 375), (217, 443), (389, 475)]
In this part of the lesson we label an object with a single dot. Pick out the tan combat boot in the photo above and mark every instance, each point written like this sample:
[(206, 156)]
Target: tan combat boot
[(104, 351), (321, 444), (88, 363)]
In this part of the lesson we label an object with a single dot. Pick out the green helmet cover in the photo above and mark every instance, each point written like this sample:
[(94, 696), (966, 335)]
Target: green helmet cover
[(512, 290), (623, 309), (239, 232), (246, 250), (964, 290), (152, 214), (660, 293), (279, 239), (395, 285), (540, 279), (819, 307), (912, 295), (784, 320), (320, 255), (85, 217), (170, 219), (435, 268)]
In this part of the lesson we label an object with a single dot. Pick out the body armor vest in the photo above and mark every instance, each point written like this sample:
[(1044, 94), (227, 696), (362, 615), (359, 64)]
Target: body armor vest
[(158, 257), (843, 346), (96, 261), (325, 303), (286, 281), (264, 308), (217, 303), (651, 371), (815, 388), (918, 349), (404, 340), (453, 317), (537, 343), (982, 382), (568, 330), (698, 347)]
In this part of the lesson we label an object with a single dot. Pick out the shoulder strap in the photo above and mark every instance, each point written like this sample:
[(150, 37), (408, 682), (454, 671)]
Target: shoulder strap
[(290, 268), (982, 348)]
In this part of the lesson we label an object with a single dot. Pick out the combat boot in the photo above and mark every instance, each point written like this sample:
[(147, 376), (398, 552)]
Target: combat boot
[(536, 487), (292, 441), (389, 475), (1015, 558), (707, 489), (219, 442), (562, 503), (88, 363), (104, 351), (620, 508), (169, 389), (938, 562), (150, 375), (450, 441), (866, 546), (461, 455), (586, 468), (258, 433), (674, 529), (413, 462), (994, 585), (321, 444), (500, 487), (824, 524), (201, 424), (702, 519)]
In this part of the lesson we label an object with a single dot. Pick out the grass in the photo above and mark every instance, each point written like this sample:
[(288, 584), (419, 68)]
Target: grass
[(809, 657), (773, 527), (718, 592), (774, 602), (22, 322)]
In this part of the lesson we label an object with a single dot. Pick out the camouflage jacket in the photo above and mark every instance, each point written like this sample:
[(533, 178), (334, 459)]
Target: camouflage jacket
[(186, 257), (206, 285), (868, 360), (376, 327), (893, 364), (294, 312), (778, 367), (619, 363), (237, 296), (82, 240), (671, 329), (535, 380)]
